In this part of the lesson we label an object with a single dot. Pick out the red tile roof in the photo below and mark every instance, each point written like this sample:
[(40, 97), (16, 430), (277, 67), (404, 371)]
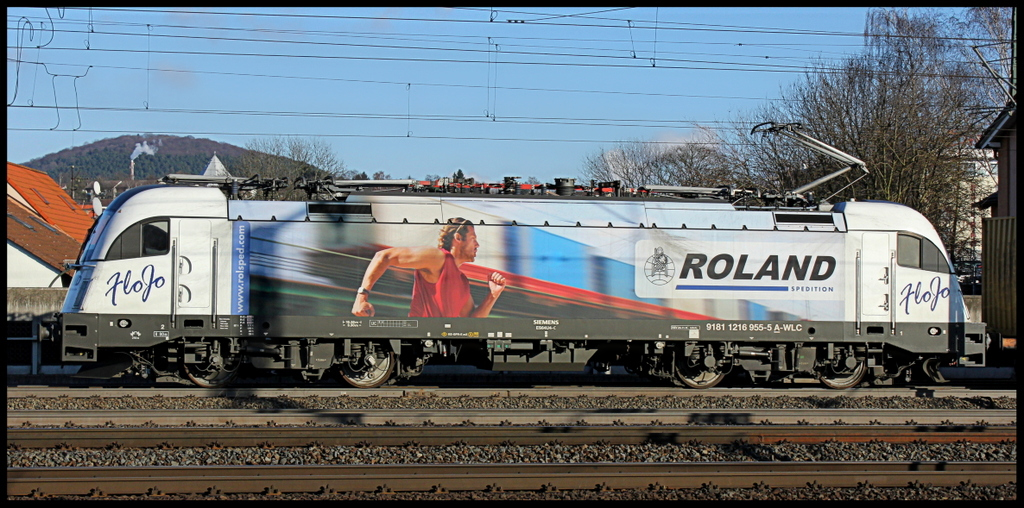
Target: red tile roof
[(30, 232), (47, 199)]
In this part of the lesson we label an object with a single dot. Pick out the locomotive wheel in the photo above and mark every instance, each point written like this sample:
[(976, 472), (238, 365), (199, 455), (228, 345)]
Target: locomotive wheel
[(843, 380), (698, 376), (366, 375), (215, 372), (701, 379)]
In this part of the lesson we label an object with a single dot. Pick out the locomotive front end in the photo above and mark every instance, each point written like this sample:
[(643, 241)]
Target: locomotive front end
[(130, 279)]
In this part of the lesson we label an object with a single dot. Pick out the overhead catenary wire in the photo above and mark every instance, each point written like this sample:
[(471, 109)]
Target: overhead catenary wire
[(426, 84), (585, 122), (433, 36), (380, 136), (514, 52), (707, 65), (614, 23)]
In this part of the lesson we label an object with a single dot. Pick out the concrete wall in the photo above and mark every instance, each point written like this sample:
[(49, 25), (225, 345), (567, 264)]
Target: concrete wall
[(973, 303), (24, 304)]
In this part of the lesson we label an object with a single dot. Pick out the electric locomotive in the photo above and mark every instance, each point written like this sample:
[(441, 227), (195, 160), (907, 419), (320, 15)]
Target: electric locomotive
[(684, 284)]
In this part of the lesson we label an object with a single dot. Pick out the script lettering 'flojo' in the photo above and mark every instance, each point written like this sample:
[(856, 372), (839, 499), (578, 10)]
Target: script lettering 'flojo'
[(917, 295), (118, 284)]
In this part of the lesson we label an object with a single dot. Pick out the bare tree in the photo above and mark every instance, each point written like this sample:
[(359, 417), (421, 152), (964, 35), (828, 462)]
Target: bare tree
[(908, 105), (292, 158), (696, 162), (631, 162), (989, 33)]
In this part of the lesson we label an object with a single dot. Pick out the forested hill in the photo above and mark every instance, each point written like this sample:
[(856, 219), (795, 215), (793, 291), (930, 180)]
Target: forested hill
[(155, 156)]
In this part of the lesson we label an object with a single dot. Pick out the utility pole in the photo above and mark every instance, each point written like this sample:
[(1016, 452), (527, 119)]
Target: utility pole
[(73, 183)]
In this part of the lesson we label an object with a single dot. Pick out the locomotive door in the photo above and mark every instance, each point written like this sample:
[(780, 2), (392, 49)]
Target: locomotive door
[(193, 264), (875, 292)]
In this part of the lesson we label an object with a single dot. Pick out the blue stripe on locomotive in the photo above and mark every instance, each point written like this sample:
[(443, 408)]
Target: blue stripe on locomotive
[(539, 254), (558, 259)]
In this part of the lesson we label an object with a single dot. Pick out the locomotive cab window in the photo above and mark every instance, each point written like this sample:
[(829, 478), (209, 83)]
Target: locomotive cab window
[(142, 239), (916, 252)]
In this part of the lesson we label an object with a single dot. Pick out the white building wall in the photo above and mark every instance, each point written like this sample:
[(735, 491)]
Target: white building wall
[(27, 271)]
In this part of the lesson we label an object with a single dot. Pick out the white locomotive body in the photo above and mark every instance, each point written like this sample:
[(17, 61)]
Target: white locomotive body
[(179, 280)]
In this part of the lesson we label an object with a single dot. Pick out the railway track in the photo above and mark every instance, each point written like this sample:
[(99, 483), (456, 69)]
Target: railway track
[(455, 417), (497, 392), (270, 437), (297, 423), (215, 480)]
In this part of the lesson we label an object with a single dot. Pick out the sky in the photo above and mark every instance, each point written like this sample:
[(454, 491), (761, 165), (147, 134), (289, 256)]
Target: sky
[(495, 92)]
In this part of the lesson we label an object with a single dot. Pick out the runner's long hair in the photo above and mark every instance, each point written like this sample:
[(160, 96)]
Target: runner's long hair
[(455, 226)]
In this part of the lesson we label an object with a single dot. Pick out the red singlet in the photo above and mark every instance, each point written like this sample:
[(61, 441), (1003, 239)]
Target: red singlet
[(446, 297)]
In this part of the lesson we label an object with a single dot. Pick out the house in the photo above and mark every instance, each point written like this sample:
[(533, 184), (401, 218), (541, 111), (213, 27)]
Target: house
[(37, 191), (45, 227), (36, 250), (1001, 137), (999, 236), (216, 167)]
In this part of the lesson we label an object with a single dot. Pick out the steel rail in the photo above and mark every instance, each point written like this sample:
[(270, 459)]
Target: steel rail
[(191, 437), (390, 417), (490, 477), (536, 391)]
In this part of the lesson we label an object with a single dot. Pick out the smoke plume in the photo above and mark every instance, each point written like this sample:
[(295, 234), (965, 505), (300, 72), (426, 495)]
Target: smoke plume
[(141, 148)]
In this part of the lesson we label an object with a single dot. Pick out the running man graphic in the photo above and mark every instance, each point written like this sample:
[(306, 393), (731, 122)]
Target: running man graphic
[(440, 289)]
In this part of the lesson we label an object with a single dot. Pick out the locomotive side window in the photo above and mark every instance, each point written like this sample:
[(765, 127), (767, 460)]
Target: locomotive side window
[(908, 251), (916, 252), (154, 238), (142, 239)]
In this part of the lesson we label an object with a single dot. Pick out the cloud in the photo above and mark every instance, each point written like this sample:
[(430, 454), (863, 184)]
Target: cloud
[(175, 76)]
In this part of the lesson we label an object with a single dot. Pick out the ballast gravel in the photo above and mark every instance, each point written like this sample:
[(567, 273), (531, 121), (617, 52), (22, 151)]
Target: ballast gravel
[(550, 453), (920, 492), (503, 402)]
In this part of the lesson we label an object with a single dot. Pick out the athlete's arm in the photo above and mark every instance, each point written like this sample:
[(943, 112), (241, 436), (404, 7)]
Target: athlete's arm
[(429, 260), (496, 284)]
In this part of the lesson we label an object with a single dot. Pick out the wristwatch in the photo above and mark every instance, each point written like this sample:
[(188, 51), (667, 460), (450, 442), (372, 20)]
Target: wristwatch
[(362, 291)]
